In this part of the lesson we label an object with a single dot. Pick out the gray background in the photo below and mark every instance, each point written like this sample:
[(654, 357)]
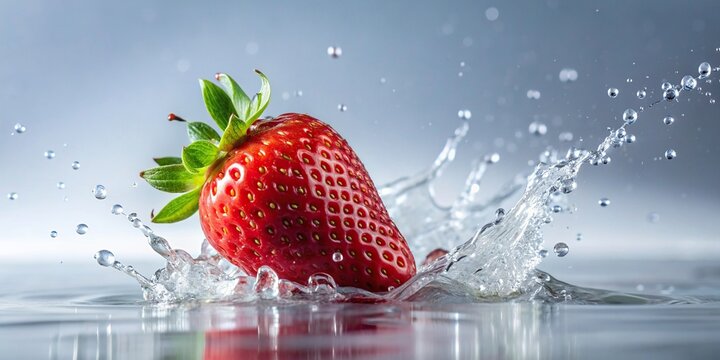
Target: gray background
[(101, 77)]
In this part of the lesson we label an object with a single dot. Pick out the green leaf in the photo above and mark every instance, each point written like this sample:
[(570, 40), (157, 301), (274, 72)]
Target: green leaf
[(260, 100), (201, 131), (199, 155), (169, 160), (180, 208), (217, 102), (235, 131), (172, 178), (240, 100)]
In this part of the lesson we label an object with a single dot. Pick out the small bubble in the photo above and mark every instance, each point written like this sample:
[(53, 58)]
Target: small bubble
[(105, 258), (13, 196), (668, 120), (75, 165), (613, 92), (492, 13), (334, 51), (60, 185), (561, 249), (671, 94), (81, 229), (670, 154), (342, 107), (641, 94), (688, 83), (665, 86), (19, 128), (100, 192), (117, 209), (53, 234), (543, 253), (533, 94), (604, 202), (464, 114), (50, 154), (630, 116), (337, 256), (537, 128), (704, 70), (568, 75)]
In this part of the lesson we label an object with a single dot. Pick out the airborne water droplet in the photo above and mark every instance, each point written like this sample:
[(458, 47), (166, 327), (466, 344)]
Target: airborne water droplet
[(105, 258), (604, 202), (613, 92), (668, 120), (53, 234), (561, 249), (117, 209), (688, 82), (334, 51), (464, 114), (704, 70), (75, 165), (13, 196), (50, 154), (81, 229), (537, 128), (543, 253), (568, 75), (630, 116), (671, 94), (19, 128), (60, 185), (342, 107), (100, 192), (641, 94), (666, 86), (670, 154)]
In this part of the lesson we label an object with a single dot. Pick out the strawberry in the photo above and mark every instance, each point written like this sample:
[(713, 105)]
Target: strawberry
[(286, 192)]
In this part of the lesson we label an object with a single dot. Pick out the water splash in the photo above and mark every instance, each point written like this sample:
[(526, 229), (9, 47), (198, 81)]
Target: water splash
[(497, 263)]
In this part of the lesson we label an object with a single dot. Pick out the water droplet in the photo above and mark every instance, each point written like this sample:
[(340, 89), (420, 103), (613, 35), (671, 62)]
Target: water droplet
[(568, 186), (337, 256), (630, 139), (561, 249), (383, 80), (704, 70), (628, 80), (537, 128), (653, 217), (60, 185), (100, 192), (688, 82), (105, 258), (557, 209), (579, 236), (132, 216), (668, 120), (641, 94), (137, 223), (665, 86), (492, 158), (117, 209), (670, 154), (322, 283), (298, 93), (464, 114), (13, 196), (19, 128), (50, 154), (543, 253), (492, 13), (81, 229), (630, 116), (334, 51), (533, 94), (671, 94), (342, 107), (712, 101), (53, 234), (568, 75), (267, 284), (604, 202), (613, 92), (75, 165), (606, 160)]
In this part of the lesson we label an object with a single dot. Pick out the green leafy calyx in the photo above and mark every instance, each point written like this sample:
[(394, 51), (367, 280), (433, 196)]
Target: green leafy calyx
[(233, 112)]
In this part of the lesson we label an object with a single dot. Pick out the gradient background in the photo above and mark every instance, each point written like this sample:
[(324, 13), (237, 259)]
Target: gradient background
[(102, 76)]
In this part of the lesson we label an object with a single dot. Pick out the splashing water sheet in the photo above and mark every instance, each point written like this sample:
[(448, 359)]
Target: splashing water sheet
[(480, 291)]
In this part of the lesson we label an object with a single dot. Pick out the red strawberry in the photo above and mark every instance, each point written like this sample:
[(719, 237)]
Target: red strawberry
[(286, 192)]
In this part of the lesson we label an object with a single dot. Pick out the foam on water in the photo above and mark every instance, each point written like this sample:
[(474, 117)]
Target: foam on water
[(497, 263)]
